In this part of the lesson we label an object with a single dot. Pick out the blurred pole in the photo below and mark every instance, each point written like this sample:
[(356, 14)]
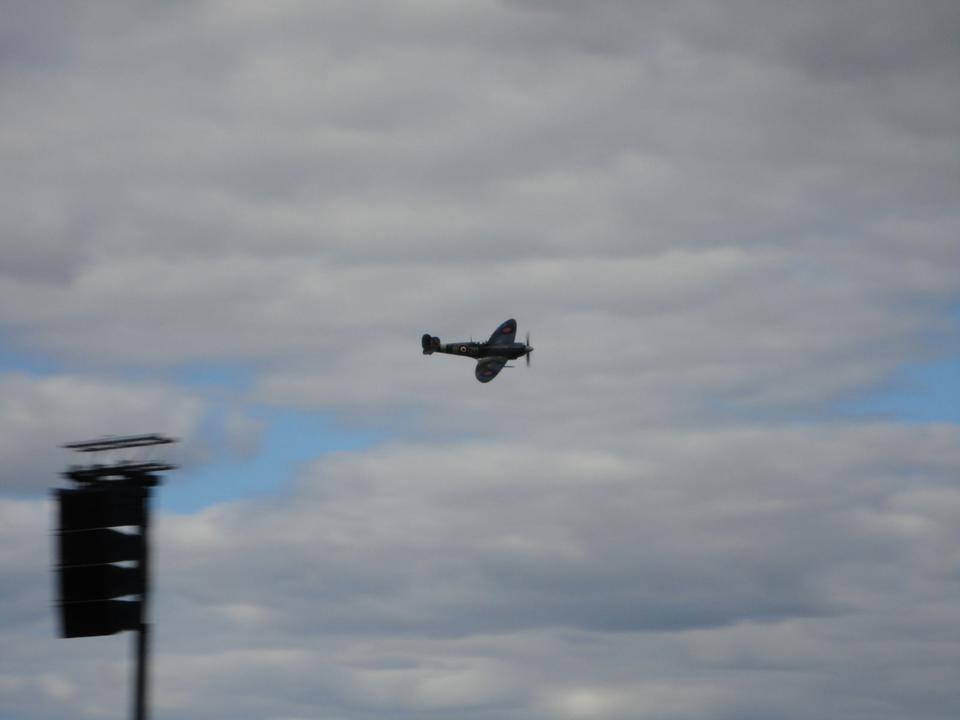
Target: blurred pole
[(143, 632), (140, 701)]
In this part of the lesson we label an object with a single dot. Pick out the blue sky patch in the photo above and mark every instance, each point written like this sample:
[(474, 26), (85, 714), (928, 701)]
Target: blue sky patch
[(290, 439), (23, 361), (918, 394)]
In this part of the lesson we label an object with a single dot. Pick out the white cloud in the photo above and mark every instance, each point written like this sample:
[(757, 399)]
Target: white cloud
[(38, 415), (709, 215), (673, 579)]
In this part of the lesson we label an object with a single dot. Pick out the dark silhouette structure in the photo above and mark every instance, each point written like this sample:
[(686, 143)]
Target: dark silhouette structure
[(91, 584)]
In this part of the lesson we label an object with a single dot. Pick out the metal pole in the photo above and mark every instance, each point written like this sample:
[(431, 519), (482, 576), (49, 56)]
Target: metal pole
[(140, 697), (143, 632)]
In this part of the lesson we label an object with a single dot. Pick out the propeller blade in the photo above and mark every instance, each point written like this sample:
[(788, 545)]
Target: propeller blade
[(528, 348)]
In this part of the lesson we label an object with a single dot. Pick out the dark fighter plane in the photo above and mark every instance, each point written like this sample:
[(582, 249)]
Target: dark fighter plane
[(491, 356)]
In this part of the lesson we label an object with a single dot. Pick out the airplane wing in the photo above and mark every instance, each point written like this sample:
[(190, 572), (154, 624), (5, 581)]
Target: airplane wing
[(488, 368), (505, 334)]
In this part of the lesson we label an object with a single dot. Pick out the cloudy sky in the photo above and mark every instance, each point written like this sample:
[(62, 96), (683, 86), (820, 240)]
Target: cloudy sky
[(727, 488)]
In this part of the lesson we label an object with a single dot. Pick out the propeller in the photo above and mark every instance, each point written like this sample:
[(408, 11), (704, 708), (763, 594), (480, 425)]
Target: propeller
[(529, 349)]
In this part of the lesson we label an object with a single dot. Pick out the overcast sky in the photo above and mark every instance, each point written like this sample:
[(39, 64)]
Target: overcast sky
[(726, 488)]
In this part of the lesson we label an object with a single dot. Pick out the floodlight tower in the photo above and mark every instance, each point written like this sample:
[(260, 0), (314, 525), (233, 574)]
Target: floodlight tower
[(90, 582)]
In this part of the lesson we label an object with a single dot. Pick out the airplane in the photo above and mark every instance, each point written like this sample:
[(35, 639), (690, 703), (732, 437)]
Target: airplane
[(491, 356)]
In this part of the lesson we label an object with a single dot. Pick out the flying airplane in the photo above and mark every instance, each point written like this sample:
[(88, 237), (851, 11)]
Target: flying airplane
[(491, 356)]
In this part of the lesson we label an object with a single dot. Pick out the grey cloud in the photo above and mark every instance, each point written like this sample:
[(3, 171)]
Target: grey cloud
[(512, 537), (848, 42), (625, 343), (513, 581), (775, 329), (679, 149), (235, 212), (749, 208), (39, 414)]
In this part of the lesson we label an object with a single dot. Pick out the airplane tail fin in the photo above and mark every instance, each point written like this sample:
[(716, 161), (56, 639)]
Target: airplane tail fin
[(429, 343)]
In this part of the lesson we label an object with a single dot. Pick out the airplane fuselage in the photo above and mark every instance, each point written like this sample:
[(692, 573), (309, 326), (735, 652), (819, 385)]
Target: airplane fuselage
[(476, 350)]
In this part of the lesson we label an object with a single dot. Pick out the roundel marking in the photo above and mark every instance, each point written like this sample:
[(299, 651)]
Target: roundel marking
[(463, 348)]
